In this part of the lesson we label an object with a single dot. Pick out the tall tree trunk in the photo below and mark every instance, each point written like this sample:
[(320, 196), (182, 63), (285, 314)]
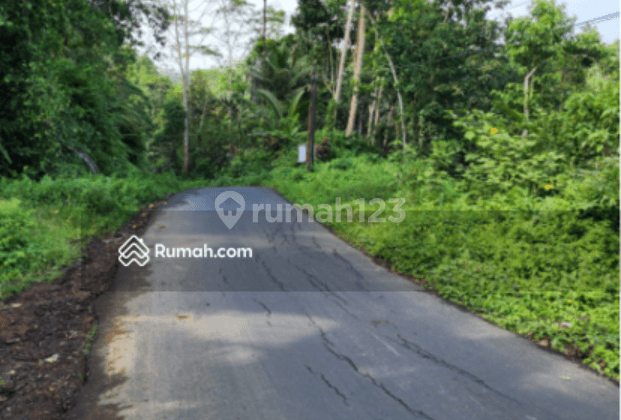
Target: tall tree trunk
[(371, 111), (394, 76), (339, 78), (360, 125), (330, 50), (183, 69), (181, 16), (388, 123), (186, 87), (359, 52), (376, 108), (375, 99), (379, 98)]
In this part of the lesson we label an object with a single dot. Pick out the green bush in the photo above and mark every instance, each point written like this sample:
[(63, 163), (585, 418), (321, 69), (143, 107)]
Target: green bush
[(41, 221), (250, 162), (16, 230), (528, 263)]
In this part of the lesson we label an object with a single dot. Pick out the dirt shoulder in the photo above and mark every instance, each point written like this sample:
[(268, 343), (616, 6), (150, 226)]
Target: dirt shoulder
[(46, 331)]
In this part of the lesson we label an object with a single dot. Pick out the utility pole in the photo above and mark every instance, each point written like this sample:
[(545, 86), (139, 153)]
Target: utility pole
[(310, 144)]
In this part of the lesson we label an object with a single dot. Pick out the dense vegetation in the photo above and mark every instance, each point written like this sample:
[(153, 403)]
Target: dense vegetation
[(509, 162)]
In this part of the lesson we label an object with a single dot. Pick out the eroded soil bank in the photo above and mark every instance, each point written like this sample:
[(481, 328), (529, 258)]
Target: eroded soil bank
[(44, 332)]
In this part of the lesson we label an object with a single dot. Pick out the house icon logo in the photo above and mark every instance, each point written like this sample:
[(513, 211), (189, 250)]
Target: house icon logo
[(229, 206), (134, 250)]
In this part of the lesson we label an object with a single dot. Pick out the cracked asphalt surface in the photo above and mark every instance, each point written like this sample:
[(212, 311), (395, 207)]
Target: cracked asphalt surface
[(308, 328)]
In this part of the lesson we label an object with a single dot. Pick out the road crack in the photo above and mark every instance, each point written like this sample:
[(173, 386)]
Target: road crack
[(271, 276), (269, 313), (311, 279), (324, 337), (380, 385), (350, 267), (334, 388), (415, 348), (342, 307)]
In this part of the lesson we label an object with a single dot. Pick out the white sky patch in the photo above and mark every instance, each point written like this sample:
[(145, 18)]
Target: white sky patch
[(583, 10)]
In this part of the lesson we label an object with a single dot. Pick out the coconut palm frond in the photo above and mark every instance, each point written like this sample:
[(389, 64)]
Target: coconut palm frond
[(294, 103), (272, 100)]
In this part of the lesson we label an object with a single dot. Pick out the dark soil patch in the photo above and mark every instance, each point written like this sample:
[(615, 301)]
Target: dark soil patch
[(44, 332)]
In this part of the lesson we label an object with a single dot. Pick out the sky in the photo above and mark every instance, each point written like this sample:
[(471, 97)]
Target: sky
[(583, 10)]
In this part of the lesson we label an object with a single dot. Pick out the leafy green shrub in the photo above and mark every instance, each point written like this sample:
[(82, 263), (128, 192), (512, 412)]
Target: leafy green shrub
[(209, 153), (589, 121), (251, 162), (502, 161), (165, 143), (40, 221), (527, 263), (341, 164), (16, 228), (448, 157), (594, 190), (340, 143)]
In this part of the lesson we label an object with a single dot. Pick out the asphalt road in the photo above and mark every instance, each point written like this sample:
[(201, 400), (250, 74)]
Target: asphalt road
[(307, 328)]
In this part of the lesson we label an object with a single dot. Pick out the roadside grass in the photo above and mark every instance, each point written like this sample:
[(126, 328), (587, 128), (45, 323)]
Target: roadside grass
[(535, 267), (34, 245), (44, 225), (348, 178)]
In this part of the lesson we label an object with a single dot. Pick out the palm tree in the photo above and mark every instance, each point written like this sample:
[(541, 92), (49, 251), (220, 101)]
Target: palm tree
[(281, 80), (282, 73)]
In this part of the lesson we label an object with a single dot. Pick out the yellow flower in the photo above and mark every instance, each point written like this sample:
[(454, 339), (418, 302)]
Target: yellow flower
[(547, 187), (569, 301)]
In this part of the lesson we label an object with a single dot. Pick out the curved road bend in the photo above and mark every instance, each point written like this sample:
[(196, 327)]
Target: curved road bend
[(306, 329)]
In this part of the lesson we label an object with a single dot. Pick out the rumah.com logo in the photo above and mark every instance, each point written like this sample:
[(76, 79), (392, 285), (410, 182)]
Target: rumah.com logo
[(134, 250), (230, 206)]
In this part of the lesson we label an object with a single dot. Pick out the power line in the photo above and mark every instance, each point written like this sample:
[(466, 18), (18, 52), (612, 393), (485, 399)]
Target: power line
[(600, 19)]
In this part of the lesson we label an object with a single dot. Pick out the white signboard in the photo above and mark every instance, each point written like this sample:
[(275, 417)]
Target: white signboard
[(302, 153)]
